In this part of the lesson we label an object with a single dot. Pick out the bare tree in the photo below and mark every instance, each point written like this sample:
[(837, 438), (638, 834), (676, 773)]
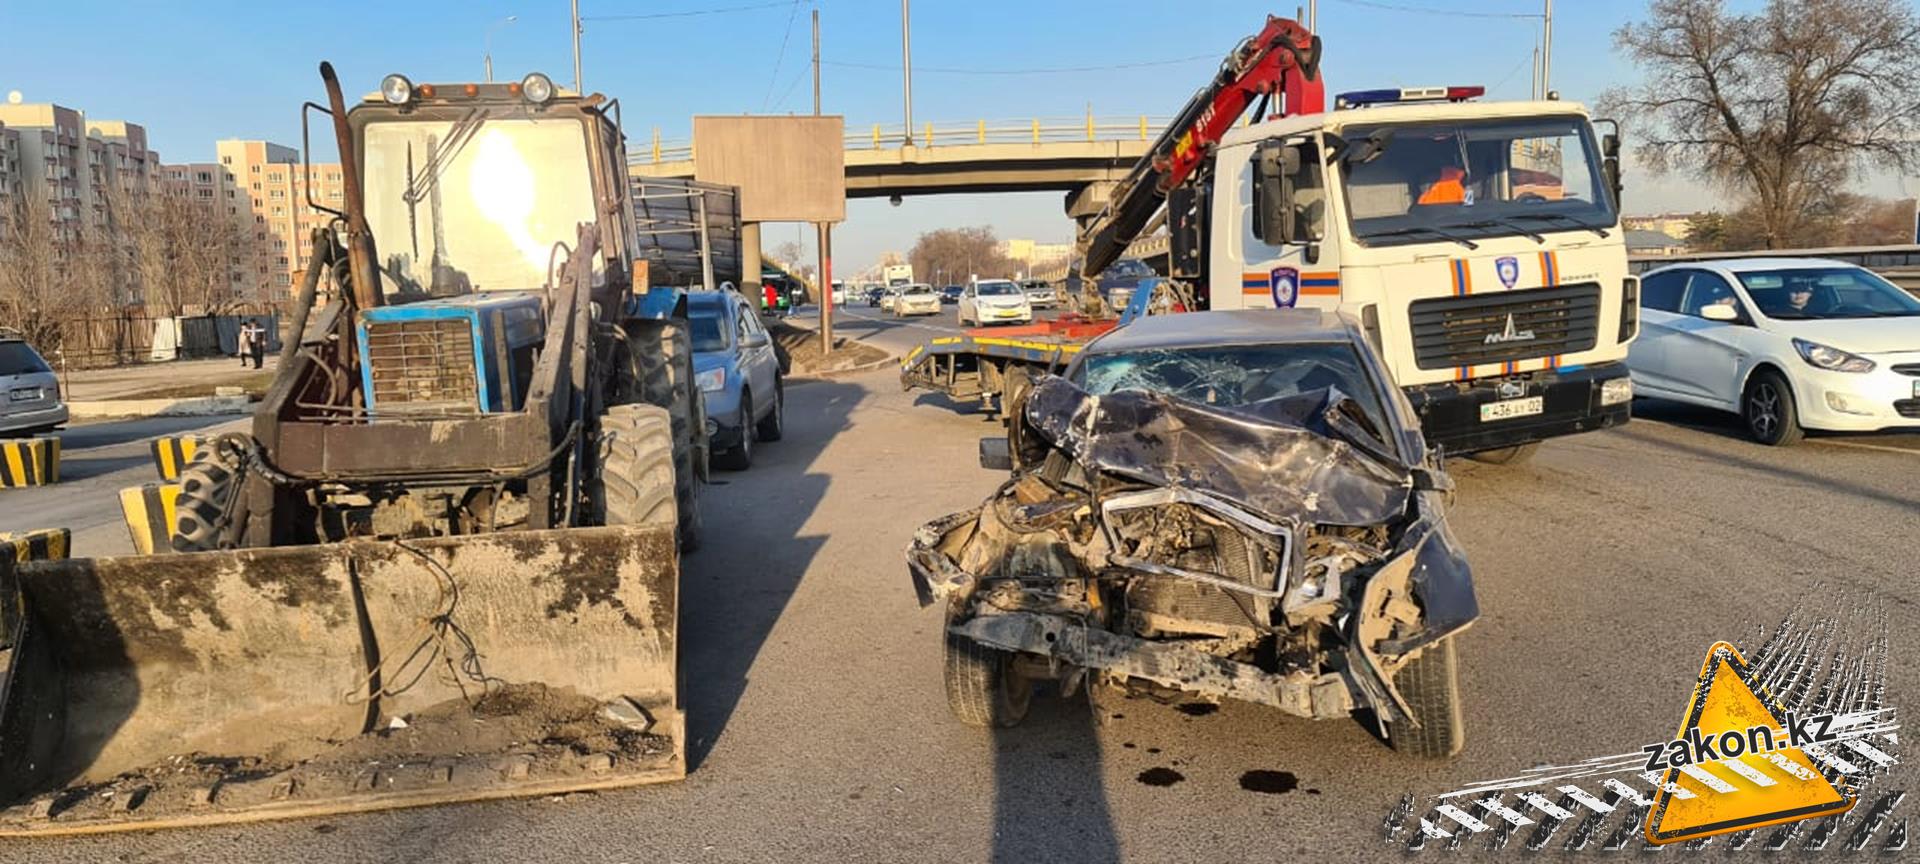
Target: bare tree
[(33, 255), (1780, 106), (953, 255)]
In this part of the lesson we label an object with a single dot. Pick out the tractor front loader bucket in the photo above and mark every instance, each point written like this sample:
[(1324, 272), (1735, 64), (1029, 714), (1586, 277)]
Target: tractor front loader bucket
[(165, 690)]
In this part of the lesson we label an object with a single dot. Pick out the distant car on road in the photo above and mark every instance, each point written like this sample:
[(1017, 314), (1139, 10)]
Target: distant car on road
[(738, 371), (839, 292), (874, 293), (892, 293), (994, 301), (29, 391), (1039, 294), (951, 294), (1788, 343), (916, 299)]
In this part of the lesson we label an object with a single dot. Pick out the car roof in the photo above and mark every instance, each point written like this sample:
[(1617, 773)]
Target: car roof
[(1231, 327), (1748, 265)]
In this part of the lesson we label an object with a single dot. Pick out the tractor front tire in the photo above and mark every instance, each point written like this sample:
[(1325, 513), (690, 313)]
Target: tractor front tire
[(210, 488), (664, 353), (636, 481)]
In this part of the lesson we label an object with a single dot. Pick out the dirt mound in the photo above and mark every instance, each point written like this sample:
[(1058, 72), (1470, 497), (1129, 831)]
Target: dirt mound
[(803, 346)]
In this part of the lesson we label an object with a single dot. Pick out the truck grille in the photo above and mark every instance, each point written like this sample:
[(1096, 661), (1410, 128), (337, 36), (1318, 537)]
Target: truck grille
[(1474, 329), (423, 366)]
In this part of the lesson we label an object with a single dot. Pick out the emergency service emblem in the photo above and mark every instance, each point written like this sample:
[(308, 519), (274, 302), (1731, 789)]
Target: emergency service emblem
[(1508, 269), (1286, 287)]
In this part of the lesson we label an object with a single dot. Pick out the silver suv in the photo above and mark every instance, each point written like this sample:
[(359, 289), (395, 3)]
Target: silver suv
[(29, 391)]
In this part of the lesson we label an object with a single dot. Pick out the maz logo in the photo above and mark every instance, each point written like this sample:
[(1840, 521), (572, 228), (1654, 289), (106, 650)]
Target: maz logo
[(1510, 334)]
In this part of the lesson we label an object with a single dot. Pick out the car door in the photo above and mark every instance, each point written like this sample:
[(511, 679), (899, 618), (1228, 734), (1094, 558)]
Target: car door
[(1704, 356), (758, 362), (1647, 358)]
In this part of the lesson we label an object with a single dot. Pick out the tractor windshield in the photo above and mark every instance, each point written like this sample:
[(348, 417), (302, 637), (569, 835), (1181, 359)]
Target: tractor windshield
[(474, 203)]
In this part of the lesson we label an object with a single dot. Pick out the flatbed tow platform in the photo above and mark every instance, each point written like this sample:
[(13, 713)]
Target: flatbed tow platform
[(979, 363)]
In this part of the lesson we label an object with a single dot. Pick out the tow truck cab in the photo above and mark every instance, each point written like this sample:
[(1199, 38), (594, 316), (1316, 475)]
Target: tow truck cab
[(1479, 244)]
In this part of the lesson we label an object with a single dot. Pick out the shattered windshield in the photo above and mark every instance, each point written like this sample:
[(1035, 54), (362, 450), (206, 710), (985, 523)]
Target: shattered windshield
[(1474, 179), (474, 204), (1234, 375)]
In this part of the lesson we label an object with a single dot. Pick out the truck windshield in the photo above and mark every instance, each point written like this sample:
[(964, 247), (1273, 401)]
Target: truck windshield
[(1475, 179), (474, 204)]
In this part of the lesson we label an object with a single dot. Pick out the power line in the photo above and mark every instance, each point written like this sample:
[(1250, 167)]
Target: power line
[(781, 57), (722, 10), (1429, 10), (1046, 70)]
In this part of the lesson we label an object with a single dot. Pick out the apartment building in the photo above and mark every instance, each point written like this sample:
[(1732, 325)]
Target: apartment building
[(266, 195), (77, 166)]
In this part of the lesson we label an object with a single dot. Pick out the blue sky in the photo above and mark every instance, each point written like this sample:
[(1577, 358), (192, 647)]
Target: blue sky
[(241, 69)]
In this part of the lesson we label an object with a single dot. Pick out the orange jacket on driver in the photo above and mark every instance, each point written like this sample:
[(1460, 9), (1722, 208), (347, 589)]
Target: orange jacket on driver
[(1449, 189)]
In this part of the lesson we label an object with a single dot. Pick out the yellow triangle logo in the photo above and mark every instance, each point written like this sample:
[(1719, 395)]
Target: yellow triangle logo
[(1767, 783)]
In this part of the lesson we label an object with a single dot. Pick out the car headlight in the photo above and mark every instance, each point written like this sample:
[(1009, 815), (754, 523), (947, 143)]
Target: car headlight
[(711, 381), (1831, 359)]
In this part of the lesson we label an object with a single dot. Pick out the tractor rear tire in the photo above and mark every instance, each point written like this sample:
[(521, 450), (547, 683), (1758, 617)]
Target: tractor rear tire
[(210, 488), (635, 483), (664, 353)]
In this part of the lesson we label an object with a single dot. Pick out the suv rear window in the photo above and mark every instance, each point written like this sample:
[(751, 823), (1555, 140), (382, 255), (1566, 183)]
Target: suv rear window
[(19, 358)]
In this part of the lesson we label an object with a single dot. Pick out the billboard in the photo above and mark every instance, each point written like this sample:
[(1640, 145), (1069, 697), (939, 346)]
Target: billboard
[(789, 169)]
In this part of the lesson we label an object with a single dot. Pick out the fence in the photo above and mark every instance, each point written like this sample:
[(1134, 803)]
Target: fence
[(129, 335), (1037, 130)]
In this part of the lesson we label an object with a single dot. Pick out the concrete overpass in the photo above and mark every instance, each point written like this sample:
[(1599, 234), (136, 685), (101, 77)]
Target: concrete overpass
[(1081, 157)]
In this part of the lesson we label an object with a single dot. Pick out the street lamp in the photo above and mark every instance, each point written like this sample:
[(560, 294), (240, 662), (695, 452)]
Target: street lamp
[(495, 26)]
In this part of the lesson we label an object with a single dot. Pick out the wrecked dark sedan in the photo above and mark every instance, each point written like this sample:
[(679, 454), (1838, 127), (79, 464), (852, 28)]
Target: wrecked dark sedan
[(1208, 506)]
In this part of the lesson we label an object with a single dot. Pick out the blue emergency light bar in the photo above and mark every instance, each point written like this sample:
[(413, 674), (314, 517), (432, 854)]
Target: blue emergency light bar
[(1358, 98)]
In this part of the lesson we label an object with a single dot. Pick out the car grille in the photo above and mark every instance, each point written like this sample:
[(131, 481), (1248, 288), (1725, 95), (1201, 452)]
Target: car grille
[(1907, 369), (1172, 603), (1908, 408), (1456, 331), (423, 366)]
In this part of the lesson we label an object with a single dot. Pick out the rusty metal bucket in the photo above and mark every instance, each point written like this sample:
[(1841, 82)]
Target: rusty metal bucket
[(146, 692)]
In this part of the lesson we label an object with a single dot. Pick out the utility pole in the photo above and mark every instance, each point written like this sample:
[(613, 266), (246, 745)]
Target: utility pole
[(906, 68), (490, 28), (1546, 52), (576, 46), (825, 229), (1313, 16)]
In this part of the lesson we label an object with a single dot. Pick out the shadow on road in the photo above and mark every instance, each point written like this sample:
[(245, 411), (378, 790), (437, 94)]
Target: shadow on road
[(1771, 467), (752, 558), (1049, 789), (85, 467), (1727, 423)]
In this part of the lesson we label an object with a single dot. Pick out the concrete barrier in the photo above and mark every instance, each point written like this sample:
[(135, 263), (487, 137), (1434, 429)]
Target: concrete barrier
[(43, 544), (29, 462), (150, 512), (171, 453), (198, 406)]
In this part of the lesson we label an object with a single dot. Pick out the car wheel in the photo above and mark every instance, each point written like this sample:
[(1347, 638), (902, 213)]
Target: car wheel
[(740, 458), (775, 424), (1516, 455), (1772, 418), (1431, 685), (983, 688)]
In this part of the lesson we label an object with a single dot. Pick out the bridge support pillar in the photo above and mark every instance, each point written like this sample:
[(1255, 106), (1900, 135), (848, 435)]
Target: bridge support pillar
[(1086, 202), (750, 263)]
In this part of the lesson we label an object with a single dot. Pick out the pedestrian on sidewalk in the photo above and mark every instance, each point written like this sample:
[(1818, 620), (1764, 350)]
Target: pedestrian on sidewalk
[(245, 349), (255, 338)]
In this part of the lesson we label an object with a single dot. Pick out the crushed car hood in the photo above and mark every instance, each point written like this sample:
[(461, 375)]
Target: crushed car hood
[(1294, 458)]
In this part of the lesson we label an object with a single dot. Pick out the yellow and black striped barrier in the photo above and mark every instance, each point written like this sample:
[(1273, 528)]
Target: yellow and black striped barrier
[(151, 512), (171, 453), (44, 544), (29, 462)]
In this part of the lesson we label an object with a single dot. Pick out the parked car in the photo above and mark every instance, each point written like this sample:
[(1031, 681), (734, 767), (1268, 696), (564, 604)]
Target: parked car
[(951, 294), (29, 391), (1789, 343), (874, 293), (994, 301), (916, 299), (1039, 294), (1210, 506), (737, 367)]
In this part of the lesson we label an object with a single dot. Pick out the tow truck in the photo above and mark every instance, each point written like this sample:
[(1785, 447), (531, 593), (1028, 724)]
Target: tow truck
[(1477, 243)]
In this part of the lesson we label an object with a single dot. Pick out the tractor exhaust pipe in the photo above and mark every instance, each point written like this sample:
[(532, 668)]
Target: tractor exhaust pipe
[(362, 259)]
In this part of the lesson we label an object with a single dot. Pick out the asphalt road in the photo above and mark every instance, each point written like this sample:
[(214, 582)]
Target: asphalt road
[(1605, 567)]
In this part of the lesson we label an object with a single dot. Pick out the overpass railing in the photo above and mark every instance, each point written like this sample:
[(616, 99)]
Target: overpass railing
[(881, 136)]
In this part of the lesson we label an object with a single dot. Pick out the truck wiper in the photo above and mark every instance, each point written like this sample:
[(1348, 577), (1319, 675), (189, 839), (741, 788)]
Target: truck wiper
[(1428, 229), (1502, 223), (1562, 217)]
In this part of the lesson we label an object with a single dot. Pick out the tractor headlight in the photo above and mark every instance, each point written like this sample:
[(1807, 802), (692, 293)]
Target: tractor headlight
[(1831, 359), (712, 380), (396, 89), (537, 88)]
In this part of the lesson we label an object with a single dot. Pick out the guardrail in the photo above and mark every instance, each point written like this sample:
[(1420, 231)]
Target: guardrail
[(880, 136)]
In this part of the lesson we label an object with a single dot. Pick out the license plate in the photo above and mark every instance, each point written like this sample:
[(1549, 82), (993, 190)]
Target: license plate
[(24, 394), (1508, 409), (1007, 313)]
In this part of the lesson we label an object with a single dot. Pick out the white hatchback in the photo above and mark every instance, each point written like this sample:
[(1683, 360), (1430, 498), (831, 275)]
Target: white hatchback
[(1788, 343)]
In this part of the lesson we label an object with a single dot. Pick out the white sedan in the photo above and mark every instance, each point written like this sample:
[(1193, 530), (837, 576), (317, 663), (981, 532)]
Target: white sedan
[(1788, 343), (994, 301), (916, 299)]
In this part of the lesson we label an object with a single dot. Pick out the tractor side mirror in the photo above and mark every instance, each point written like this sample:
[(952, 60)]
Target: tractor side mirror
[(1275, 165)]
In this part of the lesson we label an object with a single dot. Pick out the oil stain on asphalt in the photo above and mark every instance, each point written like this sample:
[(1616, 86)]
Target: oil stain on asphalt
[(1161, 777), (1270, 782), (1196, 709)]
